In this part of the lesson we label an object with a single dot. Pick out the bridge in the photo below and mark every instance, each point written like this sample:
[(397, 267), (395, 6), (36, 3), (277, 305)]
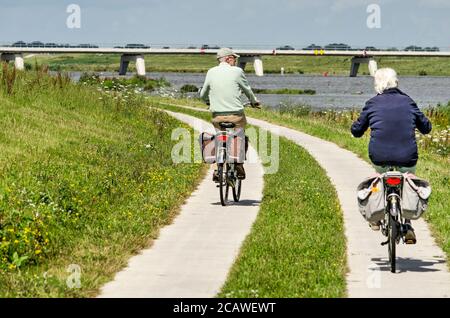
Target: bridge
[(247, 56)]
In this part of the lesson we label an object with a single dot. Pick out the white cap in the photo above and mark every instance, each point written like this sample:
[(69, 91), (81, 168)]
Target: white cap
[(226, 52)]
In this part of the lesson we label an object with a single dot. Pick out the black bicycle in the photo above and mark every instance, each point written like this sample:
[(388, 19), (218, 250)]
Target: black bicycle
[(226, 169), (394, 226)]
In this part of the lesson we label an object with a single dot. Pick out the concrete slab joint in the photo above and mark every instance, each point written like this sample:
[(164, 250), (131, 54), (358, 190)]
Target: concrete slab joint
[(257, 63), (125, 60), (356, 61), (16, 57)]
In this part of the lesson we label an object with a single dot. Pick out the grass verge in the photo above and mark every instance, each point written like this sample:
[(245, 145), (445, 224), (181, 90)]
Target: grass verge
[(296, 247), (86, 180)]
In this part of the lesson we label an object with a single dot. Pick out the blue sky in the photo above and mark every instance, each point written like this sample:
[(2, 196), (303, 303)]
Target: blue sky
[(237, 23)]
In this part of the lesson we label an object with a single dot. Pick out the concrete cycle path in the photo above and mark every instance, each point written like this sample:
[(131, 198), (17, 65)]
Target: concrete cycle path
[(191, 257), (421, 268)]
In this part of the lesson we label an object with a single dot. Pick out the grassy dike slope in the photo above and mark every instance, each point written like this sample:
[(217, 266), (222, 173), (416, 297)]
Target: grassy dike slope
[(85, 179), (296, 247)]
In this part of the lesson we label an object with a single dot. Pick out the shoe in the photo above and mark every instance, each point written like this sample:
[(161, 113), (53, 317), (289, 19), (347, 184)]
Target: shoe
[(375, 226), (215, 177), (240, 172), (410, 236)]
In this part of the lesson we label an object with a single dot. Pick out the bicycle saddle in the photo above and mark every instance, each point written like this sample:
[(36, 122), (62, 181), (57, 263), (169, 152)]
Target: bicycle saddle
[(227, 125)]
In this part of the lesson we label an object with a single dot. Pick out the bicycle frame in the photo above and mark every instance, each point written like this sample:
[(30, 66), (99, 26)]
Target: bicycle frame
[(226, 170), (221, 148), (393, 224)]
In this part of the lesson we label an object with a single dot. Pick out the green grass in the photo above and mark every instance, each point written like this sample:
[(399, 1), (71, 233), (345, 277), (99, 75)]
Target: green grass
[(117, 84), (296, 247), (86, 178), (414, 66)]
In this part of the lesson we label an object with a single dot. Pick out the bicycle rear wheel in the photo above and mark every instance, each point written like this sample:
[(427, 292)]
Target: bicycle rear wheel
[(392, 237), (223, 185), (237, 190)]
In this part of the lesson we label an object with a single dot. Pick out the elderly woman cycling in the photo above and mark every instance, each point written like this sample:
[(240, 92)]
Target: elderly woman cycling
[(393, 118)]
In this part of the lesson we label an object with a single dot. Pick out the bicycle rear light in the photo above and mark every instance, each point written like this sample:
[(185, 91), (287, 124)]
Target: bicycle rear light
[(393, 181), (222, 138)]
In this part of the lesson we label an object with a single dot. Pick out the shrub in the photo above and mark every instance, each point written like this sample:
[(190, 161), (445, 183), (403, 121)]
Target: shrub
[(422, 73), (189, 88)]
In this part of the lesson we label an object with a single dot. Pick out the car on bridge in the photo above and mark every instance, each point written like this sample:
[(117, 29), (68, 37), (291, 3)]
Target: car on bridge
[(207, 47), (87, 46), (313, 47), (136, 46), (51, 45), (36, 44), (337, 47), (371, 48), (19, 44), (285, 48), (414, 48)]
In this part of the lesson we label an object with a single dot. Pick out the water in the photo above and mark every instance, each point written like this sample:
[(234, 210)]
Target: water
[(331, 92)]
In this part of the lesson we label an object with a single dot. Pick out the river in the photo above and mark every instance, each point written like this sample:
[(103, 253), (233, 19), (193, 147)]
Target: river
[(335, 92)]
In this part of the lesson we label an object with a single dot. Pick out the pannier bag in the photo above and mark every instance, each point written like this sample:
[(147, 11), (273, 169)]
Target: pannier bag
[(208, 147), (415, 195), (236, 146), (371, 201)]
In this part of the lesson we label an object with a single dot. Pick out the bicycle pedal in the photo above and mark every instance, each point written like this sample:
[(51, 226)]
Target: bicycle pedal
[(410, 241)]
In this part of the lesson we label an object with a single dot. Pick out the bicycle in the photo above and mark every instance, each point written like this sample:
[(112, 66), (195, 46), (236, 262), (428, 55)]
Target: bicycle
[(226, 170), (394, 226)]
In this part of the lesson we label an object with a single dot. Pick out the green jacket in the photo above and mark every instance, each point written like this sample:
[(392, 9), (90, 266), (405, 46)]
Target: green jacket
[(223, 87)]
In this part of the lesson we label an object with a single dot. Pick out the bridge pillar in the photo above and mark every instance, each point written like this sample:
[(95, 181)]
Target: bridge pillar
[(356, 61), (125, 61), (257, 63), (16, 57)]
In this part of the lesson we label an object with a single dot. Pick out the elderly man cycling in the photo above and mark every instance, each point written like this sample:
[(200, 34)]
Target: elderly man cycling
[(222, 89)]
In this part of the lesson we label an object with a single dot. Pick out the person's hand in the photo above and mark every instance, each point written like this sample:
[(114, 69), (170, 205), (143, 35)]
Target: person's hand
[(256, 105)]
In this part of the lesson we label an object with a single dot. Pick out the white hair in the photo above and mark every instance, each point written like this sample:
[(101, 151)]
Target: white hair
[(385, 78), (223, 59)]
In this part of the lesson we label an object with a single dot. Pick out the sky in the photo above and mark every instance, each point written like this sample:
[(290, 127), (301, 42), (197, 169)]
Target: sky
[(236, 23)]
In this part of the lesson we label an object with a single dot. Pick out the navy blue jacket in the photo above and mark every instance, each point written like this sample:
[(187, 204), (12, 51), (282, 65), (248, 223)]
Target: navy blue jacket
[(393, 118)]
